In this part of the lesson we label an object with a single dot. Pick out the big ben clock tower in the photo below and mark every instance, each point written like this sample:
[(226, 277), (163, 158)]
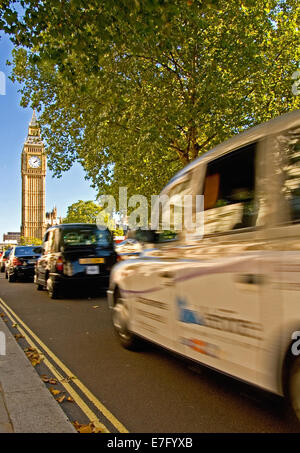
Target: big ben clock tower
[(33, 171)]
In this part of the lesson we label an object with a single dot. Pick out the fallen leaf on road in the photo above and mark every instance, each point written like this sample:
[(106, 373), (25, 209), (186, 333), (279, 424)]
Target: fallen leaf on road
[(15, 325), (2, 315), (18, 336), (45, 378), (33, 355), (60, 399), (90, 428), (52, 381), (54, 392), (35, 362), (95, 306), (70, 400)]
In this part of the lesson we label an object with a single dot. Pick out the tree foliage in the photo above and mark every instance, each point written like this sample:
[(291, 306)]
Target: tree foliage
[(30, 241), (134, 90), (87, 212), (82, 212)]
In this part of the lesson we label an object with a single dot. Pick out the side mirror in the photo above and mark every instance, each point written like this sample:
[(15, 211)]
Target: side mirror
[(152, 236), (147, 236)]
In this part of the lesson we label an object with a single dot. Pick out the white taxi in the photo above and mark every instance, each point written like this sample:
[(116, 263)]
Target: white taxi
[(228, 298)]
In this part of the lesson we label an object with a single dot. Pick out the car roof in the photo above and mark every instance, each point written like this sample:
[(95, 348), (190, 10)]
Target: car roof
[(68, 225), (288, 120), (28, 245), (64, 226)]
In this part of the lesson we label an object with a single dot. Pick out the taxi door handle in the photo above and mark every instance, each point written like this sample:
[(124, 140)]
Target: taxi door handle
[(250, 279), (167, 278), (167, 275)]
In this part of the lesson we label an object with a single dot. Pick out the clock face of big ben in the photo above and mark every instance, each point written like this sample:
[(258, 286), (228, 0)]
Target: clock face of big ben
[(34, 162)]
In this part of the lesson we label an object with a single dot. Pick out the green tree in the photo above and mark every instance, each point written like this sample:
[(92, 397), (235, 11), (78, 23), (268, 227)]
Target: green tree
[(82, 212), (87, 212), (135, 90), (30, 241)]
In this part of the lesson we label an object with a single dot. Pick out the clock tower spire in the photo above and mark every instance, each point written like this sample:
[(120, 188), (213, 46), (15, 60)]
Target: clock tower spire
[(33, 170)]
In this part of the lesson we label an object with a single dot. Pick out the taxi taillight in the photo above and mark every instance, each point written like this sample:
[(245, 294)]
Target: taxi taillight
[(59, 264)]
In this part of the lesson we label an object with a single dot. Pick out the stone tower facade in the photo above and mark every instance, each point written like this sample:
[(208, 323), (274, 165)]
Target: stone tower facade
[(33, 170)]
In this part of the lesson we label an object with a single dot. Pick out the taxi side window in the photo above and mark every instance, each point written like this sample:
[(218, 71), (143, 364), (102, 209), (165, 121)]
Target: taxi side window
[(49, 244), (56, 237), (53, 241), (229, 192), (46, 243), (290, 172), (170, 213)]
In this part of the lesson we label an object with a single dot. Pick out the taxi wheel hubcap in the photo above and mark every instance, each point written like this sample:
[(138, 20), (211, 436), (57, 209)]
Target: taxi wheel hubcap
[(120, 319), (50, 286), (294, 391)]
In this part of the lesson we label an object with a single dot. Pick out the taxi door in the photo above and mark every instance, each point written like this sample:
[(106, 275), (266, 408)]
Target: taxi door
[(218, 290), (149, 293)]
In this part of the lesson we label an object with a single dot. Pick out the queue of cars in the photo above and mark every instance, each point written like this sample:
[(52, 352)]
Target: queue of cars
[(71, 256), (3, 259), (21, 262)]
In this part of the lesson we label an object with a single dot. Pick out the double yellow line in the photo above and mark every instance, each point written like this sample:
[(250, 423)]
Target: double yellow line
[(36, 343)]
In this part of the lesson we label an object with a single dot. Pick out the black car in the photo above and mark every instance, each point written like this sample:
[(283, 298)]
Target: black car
[(21, 262), (75, 256), (3, 259)]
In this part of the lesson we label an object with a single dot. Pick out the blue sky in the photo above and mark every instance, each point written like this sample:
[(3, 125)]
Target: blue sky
[(14, 122)]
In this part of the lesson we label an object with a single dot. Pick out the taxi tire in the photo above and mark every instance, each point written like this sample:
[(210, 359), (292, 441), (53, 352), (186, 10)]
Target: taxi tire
[(127, 339), (38, 286), (52, 291), (11, 278), (293, 391)]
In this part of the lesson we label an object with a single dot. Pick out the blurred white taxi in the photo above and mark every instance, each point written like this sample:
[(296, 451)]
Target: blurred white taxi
[(229, 298), (130, 248)]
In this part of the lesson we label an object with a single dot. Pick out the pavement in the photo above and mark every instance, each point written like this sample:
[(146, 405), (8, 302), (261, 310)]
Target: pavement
[(26, 405)]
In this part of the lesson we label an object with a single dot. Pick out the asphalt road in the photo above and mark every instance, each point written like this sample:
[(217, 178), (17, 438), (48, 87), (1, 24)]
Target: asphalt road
[(148, 391)]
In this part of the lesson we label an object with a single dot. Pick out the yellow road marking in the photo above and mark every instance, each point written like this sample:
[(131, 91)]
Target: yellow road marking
[(83, 406), (108, 415)]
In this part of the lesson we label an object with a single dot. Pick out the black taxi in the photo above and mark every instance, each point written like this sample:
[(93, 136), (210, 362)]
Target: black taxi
[(75, 255)]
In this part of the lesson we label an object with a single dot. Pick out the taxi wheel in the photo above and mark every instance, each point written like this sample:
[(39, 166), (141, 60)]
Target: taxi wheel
[(52, 291), (120, 315), (11, 278), (38, 286), (294, 390)]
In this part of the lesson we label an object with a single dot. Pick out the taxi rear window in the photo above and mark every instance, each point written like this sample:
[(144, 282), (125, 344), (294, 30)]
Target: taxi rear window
[(24, 251), (83, 237)]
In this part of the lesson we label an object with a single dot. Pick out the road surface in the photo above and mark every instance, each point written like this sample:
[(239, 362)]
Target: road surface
[(148, 391)]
